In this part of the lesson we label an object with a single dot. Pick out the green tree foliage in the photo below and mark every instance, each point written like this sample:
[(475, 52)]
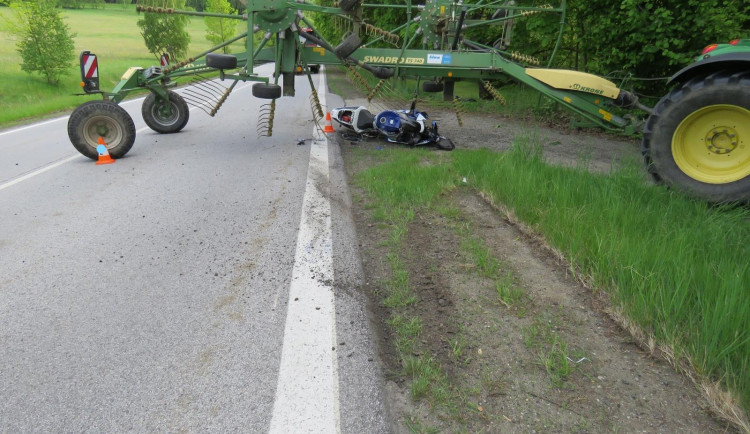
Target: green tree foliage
[(44, 40), (219, 30), (80, 4), (654, 38), (165, 33), (640, 38), (328, 26), (335, 29), (198, 5), (390, 18)]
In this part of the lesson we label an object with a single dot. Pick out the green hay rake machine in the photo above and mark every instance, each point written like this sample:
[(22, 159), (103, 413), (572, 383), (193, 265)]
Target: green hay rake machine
[(696, 139)]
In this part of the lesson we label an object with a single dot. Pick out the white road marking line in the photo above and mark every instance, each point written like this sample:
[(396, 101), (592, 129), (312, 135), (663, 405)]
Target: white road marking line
[(40, 124), (307, 394), (65, 118), (71, 158), (40, 171)]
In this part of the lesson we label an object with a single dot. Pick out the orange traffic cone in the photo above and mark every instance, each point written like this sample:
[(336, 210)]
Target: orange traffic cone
[(329, 127), (104, 157)]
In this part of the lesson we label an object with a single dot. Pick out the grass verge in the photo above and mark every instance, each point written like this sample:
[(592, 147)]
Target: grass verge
[(675, 267)]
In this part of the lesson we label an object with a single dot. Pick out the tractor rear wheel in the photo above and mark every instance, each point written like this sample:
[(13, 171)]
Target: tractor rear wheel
[(698, 138), (101, 119), (164, 117)]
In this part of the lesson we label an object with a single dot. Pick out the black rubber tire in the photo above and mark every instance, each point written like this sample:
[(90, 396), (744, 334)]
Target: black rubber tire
[(348, 5), (432, 86), (221, 61), (314, 68), (105, 119), (445, 144), (159, 121), (348, 46), (722, 88), (266, 91)]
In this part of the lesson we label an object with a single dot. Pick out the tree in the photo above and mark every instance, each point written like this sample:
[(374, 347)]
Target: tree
[(165, 33), (655, 38), (646, 39), (45, 42), (219, 30)]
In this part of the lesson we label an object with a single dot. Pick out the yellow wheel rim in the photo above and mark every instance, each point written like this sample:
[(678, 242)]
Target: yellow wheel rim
[(712, 144)]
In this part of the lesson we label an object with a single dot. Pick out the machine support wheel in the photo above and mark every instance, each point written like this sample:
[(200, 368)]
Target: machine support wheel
[(698, 138), (266, 91), (348, 5), (94, 119), (164, 117), (348, 46), (432, 86), (221, 61)]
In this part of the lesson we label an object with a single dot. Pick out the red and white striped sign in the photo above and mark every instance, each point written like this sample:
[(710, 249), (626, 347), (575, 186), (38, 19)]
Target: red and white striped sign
[(164, 59), (90, 66)]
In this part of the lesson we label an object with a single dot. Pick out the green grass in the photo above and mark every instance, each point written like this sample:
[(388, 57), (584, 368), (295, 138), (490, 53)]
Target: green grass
[(111, 33), (677, 267), (398, 191), (508, 292), (557, 363), (415, 425), (487, 265), (553, 353)]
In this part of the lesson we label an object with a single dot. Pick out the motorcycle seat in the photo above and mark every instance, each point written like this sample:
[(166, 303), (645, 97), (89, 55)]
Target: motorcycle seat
[(365, 120)]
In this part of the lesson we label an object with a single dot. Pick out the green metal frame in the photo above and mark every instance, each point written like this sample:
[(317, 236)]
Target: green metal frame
[(280, 19)]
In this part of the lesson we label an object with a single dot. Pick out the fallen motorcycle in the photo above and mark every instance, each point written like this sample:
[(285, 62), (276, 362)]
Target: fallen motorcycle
[(407, 127)]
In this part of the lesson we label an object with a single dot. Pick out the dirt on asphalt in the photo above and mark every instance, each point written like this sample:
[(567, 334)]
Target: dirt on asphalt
[(613, 385)]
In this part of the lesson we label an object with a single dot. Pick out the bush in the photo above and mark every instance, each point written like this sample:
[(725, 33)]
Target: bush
[(165, 33), (45, 42), (219, 30)]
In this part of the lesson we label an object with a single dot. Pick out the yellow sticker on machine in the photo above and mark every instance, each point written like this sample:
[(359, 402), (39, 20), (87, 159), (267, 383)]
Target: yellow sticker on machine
[(129, 73), (395, 59), (320, 50), (606, 115)]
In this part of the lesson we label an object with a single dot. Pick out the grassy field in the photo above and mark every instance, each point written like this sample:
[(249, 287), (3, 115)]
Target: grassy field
[(111, 33), (675, 267)]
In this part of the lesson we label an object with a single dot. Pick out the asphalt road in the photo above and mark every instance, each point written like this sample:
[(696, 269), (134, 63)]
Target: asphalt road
[(153, 294)]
